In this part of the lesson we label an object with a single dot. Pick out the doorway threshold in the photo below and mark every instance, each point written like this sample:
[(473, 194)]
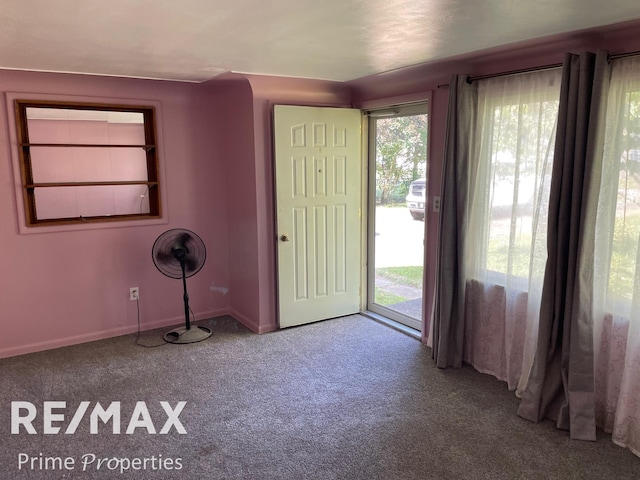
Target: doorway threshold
[(412, 332)]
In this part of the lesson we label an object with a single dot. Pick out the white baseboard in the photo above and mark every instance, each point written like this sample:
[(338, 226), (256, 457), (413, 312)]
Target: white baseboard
[(250, 324), (102, 334)]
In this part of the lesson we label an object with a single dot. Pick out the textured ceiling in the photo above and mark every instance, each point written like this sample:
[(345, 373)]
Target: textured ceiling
[(195, 40)]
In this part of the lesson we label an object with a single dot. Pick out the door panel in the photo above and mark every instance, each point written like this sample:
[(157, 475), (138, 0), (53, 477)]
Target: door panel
[(318, 185)]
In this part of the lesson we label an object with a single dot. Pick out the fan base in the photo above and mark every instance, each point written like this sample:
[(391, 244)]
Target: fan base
[(184, 335)]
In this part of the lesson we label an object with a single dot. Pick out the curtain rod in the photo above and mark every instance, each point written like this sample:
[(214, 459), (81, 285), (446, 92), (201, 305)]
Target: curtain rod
[(510, 72), (535, 69), (622, 55)]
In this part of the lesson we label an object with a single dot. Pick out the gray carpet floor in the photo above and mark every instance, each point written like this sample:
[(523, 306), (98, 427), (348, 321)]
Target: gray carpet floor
[(342, 399)]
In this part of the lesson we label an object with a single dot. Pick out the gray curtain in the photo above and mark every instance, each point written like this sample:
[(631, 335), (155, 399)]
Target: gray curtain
[(448, 312), (561, 384)]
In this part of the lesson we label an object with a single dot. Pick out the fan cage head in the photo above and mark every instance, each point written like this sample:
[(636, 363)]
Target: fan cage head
[(175, 244)]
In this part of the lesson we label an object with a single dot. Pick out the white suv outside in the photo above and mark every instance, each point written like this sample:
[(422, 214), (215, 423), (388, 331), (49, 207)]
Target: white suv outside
[(417, 198)]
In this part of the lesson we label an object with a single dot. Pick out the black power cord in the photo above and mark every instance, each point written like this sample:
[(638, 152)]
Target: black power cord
[(137, 341)]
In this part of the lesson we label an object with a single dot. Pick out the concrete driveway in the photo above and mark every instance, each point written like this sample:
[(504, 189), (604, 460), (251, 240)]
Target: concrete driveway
[(399, 243), (399, 238)]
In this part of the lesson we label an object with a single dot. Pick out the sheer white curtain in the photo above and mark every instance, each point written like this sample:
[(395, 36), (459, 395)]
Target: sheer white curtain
[(617, 262), (506, 247)]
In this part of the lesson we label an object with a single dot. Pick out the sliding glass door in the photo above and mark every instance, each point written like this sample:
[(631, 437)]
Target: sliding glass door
[(397, 199)]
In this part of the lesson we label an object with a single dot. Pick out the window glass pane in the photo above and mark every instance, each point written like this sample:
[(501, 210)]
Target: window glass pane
[(619, 208), (521, 157), (53, 125), (81, 201), (516, 128), (398, 197), (88, 164)]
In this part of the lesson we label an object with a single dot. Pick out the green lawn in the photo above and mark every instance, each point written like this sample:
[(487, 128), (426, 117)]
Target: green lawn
[(386, 298), (624, 259), (410, 276)]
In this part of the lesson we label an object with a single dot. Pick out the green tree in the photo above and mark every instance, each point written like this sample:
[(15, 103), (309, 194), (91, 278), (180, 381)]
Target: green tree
[(401, 155)]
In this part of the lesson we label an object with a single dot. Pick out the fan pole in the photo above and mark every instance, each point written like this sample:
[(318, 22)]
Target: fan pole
[(187, 334), (186, 298)]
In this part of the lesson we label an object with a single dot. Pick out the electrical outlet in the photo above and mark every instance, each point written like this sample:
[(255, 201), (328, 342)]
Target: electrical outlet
[(134, 293)]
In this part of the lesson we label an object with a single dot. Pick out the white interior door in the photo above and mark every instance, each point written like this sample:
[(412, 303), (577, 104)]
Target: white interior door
[(318, 194)]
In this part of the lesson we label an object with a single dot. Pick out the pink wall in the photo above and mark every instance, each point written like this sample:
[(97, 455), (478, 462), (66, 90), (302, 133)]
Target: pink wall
[(64, 286), (233, 114)]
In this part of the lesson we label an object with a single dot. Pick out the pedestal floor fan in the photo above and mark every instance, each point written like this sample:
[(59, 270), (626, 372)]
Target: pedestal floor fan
[(179, 253)]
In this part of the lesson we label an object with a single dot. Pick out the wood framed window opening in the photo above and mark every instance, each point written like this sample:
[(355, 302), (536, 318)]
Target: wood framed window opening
[(68, 178)]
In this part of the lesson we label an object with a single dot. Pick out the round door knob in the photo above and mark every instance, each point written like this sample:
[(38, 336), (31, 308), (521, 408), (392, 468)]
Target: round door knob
[(284, 237)]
